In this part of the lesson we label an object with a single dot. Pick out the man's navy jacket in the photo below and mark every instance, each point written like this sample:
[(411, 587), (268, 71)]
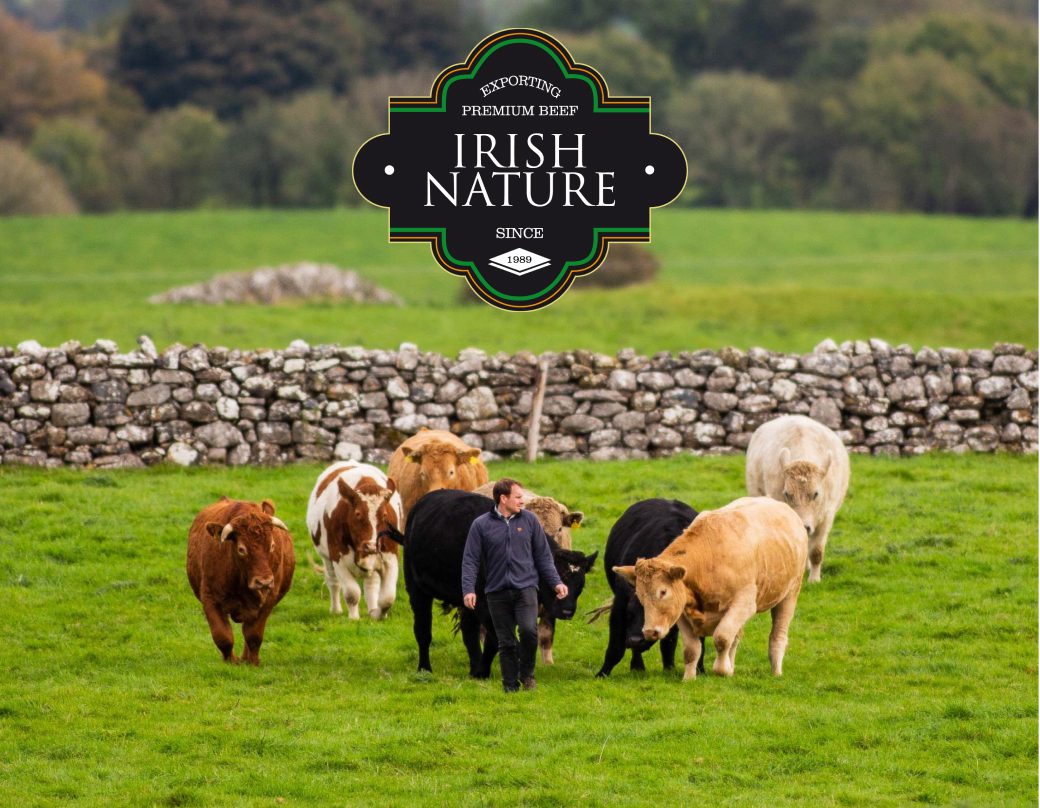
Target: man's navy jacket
[(513, 552)]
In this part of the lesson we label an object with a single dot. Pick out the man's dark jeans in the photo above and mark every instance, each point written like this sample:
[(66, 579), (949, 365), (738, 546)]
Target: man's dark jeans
[(512, 608)]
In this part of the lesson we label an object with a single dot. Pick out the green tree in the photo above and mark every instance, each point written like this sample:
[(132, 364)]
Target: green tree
[(626, 61), (174, 163), (400, 34), (735, 129), (755, 36), (227, 55), (953, 144), (78, 151)]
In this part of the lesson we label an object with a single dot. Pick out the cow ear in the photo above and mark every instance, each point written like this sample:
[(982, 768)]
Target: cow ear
[(573, 519), (628, 573), (785, 458), (267, 506), (391, 487), (409, 455), (469, 456), (590, 560), (214, 529), (827, 463), (348, 493), (676, 572)]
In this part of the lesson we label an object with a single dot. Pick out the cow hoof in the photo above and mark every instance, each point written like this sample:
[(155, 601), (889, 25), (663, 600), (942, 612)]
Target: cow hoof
[(602, 674), (375, 614)]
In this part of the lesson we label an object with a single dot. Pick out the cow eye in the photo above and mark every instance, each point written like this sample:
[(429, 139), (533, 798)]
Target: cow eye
[(662, 594), (242, 549), (787, 496), (272, 545), (816, 495)]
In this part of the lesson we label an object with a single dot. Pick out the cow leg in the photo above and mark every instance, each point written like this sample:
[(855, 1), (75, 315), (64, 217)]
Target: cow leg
[(817, 544), (490, 647), (692, 647), (546, 632), (332, 582), (373, 583), (727, 633), (783, 613), (254, 636), (469, 628), (220, 629), (671, 639), (388, 588), (616, 643), (351, 593), (422, 627), (636, 664)]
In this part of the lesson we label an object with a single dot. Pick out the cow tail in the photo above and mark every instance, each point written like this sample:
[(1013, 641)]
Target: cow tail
[(315, 563), (599, 611)]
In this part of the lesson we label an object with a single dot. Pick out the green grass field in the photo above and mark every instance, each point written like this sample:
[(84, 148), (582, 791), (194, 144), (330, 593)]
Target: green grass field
[(911, 676), (782, 280)]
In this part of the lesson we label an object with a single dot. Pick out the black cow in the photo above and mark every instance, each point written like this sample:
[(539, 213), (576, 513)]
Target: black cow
[(643, 531), (433, 546)]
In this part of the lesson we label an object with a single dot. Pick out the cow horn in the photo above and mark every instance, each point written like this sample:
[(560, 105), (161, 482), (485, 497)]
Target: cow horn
[(279, 523), (226, 532)]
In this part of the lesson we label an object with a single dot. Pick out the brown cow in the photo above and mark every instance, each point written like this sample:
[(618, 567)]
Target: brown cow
[(433, 459), (727, 565), (240, 564)]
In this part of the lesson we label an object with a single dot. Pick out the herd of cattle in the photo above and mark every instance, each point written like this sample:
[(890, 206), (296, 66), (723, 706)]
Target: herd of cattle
[(672, 571)]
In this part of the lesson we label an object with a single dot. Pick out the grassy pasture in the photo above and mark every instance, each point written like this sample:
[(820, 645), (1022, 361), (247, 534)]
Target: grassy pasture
[(784, 280), (911, 676)]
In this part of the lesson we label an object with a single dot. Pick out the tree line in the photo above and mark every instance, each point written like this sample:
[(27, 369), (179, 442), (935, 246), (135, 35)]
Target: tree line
[(926, 105)]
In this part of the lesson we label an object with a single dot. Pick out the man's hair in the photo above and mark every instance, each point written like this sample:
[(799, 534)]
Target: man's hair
[(503, 488)]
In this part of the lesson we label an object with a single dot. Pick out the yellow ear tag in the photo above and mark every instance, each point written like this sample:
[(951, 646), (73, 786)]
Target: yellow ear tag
[(577, 525), (474, 460)]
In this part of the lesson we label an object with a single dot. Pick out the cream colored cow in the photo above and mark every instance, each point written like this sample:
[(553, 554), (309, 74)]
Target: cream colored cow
[(799, 461)]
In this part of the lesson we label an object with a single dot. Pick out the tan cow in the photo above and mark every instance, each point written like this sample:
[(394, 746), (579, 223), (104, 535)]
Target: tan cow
[(433, 459), (728, 565), (799, 461), (240, 564), (555, 518)]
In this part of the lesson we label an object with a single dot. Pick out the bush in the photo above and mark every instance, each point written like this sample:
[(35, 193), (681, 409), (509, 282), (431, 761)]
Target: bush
[(174, 162), (735, 129), (29, 188), (625, 265), (77, 151)]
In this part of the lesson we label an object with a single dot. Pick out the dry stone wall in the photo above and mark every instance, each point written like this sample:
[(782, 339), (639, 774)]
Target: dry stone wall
[(95, 406)]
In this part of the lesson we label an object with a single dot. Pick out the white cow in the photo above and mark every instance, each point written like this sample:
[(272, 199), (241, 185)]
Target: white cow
[(799, 461), (352, 515)]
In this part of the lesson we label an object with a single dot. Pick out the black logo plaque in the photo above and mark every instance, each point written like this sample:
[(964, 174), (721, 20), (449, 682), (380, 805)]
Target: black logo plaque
[(520, 169)]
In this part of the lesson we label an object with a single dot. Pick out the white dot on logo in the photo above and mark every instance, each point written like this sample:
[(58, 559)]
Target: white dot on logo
[(649, 169), (389, 170)]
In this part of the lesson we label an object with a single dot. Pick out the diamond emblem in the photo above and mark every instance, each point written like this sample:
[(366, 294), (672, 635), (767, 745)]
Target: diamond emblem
[(519, 261)]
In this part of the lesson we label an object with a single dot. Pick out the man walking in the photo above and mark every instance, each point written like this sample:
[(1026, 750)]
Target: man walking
[(510, 545)]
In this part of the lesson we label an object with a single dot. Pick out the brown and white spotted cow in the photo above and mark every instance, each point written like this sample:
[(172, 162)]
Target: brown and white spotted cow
[(352, 514)]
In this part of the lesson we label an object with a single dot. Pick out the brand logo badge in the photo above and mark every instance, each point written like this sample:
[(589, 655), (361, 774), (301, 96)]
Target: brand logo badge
[(520, 169)]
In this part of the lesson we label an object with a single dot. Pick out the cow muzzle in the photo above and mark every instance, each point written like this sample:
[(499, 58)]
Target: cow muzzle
[(654, 633), (637, 642), (258, 584)]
